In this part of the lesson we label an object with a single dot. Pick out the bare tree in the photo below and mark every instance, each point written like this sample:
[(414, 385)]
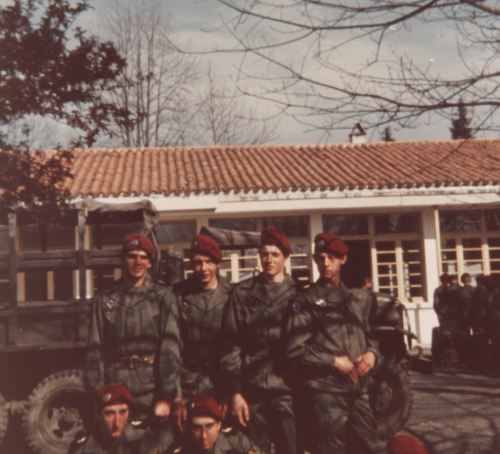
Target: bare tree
[(331, 63), (223, 117), (157, 85)]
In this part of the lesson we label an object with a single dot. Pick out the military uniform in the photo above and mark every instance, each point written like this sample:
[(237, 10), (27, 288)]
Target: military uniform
[(93, 445), (200, 327), (251, 351), (223, 445), (325, 322), (134, 339)]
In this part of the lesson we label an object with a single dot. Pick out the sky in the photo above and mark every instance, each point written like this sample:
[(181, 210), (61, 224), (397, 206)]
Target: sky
[(198, 26)]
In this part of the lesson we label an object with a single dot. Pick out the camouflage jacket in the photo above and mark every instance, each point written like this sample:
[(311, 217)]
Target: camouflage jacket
[(324, 323), (223, 445), (200, 325), (134, 339), (251, 345), (92, 445)]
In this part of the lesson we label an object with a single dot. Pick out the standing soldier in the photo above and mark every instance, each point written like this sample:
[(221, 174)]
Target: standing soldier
[(134, 333), (330, 348), (201, 300), (261, 400)]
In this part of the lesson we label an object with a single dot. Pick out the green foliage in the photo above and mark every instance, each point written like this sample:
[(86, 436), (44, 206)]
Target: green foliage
[(50, 68)]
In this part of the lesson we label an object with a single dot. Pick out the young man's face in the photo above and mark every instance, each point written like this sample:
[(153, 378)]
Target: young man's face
[(205, 270), (204, 431), (272, 260), (135, 264), (329, 266), (113, 420)]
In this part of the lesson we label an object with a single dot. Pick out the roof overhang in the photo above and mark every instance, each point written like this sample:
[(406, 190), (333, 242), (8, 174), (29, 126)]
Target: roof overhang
[(306, 201)]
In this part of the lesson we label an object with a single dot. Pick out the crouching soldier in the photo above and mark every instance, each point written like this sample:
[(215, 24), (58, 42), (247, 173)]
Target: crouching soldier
[(252, 349), (203, 434), (330, 348), (112, 408), (134, 333)]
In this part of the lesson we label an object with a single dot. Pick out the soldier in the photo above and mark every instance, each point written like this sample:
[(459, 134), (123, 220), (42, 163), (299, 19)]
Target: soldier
[(204, 434), (112, 405), (201, 300), (261, 400), (134, 333), (330, 348), (439, 297)]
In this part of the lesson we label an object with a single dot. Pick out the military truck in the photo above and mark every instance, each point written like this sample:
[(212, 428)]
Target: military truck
[(45, 295)]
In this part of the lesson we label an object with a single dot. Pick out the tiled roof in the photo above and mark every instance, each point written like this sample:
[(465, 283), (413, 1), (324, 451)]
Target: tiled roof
[(196, 170)]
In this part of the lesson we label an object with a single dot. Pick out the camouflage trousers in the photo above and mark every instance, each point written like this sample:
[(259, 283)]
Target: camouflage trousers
[(344, 423), (272, 420)]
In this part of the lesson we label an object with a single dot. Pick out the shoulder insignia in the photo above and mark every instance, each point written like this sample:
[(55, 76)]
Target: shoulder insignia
[(177, 450), (227, 430), (321, 302)]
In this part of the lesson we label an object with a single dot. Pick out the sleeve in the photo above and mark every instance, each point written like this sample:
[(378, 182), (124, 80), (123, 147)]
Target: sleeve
[(94, 364), (372, 343), (231, 354), (302, 350), (169, 362)]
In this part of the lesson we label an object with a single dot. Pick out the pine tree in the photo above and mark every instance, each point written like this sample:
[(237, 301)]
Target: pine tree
[(387, 135), (460, 126)]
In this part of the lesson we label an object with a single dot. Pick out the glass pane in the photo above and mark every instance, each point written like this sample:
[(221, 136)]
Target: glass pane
[(63, 284), (448, 244), (182, 232), (112, 235), (60, 237), (35, 285), (234, 224), (4, 239), (397, 223), (30, 238), (460, 221), (300, 256), (492, 219), (291, 226), (472, 255), (471, 243), (351, 224), (494, 242), (450, 267), (385, 245), (473, 268)]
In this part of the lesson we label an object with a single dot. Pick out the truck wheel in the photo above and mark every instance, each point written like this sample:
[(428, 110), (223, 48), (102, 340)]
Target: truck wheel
[(391, 399), (4, 418), (55, 413)]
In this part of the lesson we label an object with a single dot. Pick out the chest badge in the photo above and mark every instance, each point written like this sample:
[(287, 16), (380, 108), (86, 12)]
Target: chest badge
[(321, 302), (110, 308)]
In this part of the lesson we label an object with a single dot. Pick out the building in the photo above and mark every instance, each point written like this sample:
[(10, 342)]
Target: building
[(408, 210)]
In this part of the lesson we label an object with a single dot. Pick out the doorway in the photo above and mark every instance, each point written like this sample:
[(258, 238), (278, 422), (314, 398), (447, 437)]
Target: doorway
[(358, 265)]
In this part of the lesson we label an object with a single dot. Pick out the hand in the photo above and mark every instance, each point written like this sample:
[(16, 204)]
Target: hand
[(161, 409), (240, 409), (365, 363), (345, 366), (179, 413)]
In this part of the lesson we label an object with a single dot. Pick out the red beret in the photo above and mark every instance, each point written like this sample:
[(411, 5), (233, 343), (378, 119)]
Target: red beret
[(405, 444), (206, 245), (205, 405), (275, 237), (113, 394), (140, 241), (329, 243)]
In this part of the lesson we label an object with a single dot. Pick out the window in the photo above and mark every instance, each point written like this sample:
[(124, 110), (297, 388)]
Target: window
[(352, 224), (297, 226), (470, 242), (111, 235), (388, 244), (245, 224)]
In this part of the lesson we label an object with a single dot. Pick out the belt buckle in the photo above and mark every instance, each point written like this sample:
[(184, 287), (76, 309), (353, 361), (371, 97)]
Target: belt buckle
[(134, 362)]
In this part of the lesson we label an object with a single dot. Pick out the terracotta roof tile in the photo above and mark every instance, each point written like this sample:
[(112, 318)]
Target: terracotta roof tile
[(113, 172)]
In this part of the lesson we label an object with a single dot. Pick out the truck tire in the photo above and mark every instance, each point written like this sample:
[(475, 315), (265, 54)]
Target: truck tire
[(391, 399), (55, 413), (4, 418)]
